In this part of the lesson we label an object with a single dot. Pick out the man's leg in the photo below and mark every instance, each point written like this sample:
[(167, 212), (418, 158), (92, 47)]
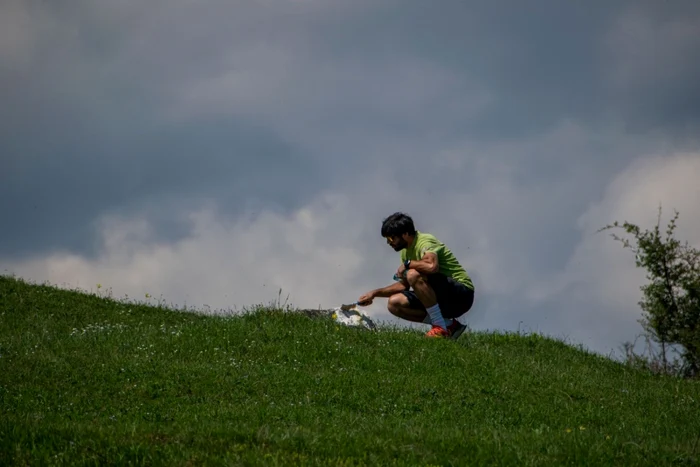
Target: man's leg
[(400, 306), (427, 297), (456, 300)]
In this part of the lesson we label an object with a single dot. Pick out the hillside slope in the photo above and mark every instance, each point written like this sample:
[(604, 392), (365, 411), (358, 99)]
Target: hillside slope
[(89, 379)]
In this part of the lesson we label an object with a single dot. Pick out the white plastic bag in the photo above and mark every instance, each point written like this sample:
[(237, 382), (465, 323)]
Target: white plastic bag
[(353, 317)]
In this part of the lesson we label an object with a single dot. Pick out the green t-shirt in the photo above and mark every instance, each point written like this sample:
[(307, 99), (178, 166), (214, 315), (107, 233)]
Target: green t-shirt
[(449, 266)]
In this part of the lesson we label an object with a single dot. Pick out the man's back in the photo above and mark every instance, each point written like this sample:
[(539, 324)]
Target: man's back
[(449, 265)]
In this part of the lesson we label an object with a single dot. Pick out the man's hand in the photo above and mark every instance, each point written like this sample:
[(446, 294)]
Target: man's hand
[(401, 271), (366, 299)]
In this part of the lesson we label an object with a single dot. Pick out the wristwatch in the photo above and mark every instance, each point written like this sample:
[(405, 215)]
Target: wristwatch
[(407, 263)]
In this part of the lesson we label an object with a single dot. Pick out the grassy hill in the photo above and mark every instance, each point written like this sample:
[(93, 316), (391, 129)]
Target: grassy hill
[(88, 380)]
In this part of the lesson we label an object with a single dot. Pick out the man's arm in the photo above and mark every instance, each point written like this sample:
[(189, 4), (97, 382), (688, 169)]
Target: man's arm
[(427, 265), (392, 289)]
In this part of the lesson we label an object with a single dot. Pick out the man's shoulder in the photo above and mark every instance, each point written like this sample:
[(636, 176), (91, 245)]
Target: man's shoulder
[(425, 235), (427, 242), (426, 238)]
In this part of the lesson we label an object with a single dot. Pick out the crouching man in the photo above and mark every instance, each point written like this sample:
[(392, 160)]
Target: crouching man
[(432, 286)]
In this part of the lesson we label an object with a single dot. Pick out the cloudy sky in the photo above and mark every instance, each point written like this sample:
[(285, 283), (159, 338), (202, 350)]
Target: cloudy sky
[(214, 152)]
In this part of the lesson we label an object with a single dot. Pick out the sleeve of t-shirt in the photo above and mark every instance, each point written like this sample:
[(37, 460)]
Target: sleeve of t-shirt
[(430, 246)]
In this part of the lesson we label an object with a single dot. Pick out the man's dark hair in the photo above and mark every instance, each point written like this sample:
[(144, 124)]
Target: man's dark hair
[(398, 224)]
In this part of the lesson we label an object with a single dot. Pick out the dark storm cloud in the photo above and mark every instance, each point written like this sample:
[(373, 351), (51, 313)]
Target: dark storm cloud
[(88, 128), (51, 194), (537, 62), (651, 70)]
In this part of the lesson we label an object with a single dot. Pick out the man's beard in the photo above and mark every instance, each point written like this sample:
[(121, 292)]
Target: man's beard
[(401, 245)]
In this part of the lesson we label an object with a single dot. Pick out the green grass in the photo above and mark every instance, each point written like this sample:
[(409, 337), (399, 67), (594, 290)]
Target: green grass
[(89, 380)]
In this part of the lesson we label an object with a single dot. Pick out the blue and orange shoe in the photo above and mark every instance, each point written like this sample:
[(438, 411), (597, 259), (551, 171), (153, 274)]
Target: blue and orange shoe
[(437, 331)]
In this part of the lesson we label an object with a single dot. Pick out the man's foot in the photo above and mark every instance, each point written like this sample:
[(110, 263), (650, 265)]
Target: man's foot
[(456, 329), (437, 331)]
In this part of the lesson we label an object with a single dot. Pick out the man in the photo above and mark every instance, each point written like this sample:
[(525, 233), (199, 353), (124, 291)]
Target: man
[(432, 288)]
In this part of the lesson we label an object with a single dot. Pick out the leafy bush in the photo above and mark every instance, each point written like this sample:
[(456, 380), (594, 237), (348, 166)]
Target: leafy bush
[(671, 299)]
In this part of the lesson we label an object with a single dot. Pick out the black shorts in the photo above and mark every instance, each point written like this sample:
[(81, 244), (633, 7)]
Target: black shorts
[(454, 298)]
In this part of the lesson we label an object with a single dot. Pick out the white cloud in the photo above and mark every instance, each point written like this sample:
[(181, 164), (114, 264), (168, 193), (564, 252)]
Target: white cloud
[(221, 264), (635, 195), (597, 293)]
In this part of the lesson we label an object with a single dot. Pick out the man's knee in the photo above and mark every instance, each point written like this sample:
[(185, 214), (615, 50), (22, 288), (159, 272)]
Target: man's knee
[(396, 302), (413, 276)]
